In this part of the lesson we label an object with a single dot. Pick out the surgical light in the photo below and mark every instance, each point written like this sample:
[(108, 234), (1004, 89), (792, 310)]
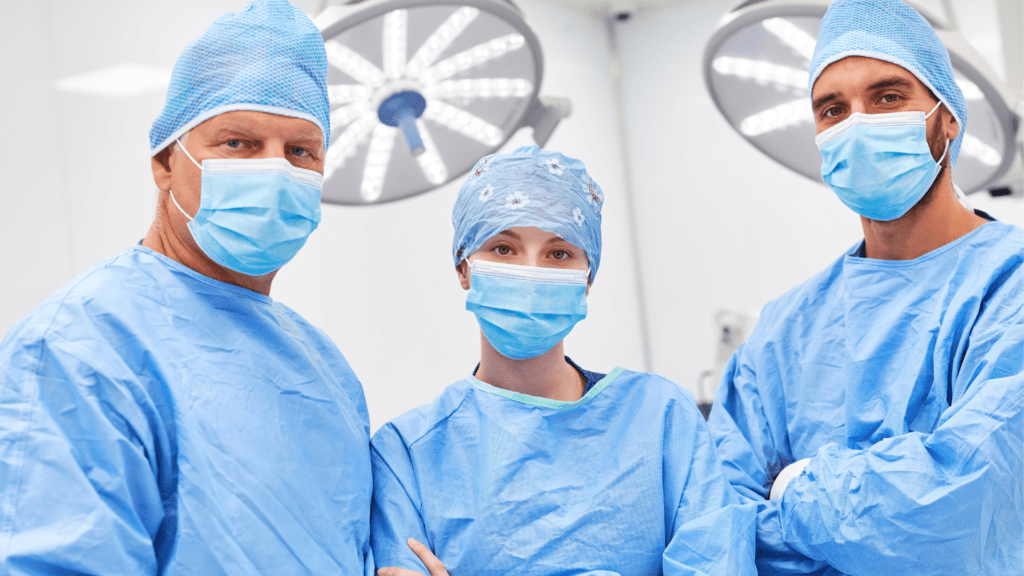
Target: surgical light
[(756, 68), (421, 90)]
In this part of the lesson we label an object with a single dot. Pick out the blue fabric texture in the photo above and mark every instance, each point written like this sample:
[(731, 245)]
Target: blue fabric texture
[(269, 57), (529, 187), (524, 311), (903, 382), (592, 378), (624, 481), (254, 214), (890, 30), (156, 421), (879, 165)]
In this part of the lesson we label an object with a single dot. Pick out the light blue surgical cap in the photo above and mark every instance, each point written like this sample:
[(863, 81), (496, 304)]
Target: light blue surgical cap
[(268, 58), (529, 187), (890, 30)]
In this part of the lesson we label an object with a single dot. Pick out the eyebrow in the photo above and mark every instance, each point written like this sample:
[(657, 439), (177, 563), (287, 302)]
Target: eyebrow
[(307, 140), (510, 233), (243, 131), (891, 82), (233, 129), (819, 102)]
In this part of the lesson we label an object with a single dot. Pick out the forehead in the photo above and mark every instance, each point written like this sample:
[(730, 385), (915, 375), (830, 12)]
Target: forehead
[(261, 125), (858, 73), (530, 234)]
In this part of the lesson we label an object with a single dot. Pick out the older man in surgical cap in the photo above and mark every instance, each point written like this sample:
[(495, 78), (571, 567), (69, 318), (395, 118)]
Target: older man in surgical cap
[(876, 412), (161, 414)]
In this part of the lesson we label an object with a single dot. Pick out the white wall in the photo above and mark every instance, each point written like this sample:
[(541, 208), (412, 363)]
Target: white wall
[(78, 188)]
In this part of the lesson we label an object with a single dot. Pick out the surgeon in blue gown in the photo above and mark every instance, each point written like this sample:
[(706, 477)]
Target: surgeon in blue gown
[(161, 414), (875, 413), (532, 465)]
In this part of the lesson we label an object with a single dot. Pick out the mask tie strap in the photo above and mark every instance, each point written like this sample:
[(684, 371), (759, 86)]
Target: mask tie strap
[(926, 116), (185, 150)]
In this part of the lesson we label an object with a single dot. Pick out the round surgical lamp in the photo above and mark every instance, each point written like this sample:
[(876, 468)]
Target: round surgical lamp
[(756, 67), (420, 90)]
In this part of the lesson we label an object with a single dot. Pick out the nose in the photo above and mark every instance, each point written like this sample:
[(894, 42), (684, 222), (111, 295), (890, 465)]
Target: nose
[(273, 149), (533, 258)]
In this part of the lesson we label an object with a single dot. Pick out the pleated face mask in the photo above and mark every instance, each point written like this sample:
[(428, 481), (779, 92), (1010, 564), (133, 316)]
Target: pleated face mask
[(880, 165), (524, 311), (254, 214)]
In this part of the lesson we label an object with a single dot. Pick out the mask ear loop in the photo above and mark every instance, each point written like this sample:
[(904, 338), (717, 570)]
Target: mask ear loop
[(944, 152), (171, 192), (963, 198), (180, 209), (185, 150)]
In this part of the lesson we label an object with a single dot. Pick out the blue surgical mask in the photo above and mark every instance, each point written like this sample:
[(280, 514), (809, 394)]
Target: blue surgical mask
[(525, 310), (879, 165), (254, 214)]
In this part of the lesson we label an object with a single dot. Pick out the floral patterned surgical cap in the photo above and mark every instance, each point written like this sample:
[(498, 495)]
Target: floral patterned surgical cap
[(529, 187)]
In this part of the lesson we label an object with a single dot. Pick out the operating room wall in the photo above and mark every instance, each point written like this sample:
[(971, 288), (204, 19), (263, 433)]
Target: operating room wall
[(719, 225), (77, 188)]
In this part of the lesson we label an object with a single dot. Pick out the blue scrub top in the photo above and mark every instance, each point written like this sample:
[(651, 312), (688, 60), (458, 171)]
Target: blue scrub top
[(623, 481), (156, 421), (902, 382)]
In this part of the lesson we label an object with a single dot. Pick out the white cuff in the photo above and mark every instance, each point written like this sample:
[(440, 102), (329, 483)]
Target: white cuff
[(787, 474)]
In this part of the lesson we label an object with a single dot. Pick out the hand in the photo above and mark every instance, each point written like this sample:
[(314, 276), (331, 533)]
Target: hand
[(434, 565)]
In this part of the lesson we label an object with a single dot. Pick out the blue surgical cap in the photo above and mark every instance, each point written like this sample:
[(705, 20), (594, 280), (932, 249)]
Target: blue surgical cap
[(268, 58), (890, 30), (529, 187)]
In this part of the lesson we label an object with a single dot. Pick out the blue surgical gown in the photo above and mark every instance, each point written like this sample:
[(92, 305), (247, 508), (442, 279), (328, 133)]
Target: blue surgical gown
[(156, 421), (623, 481), (901, 381)]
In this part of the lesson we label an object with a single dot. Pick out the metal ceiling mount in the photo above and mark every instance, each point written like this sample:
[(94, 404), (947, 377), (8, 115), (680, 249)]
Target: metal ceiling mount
[(456, 80), (756, 67)]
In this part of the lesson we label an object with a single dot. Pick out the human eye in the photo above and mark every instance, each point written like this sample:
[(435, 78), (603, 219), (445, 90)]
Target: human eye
[(832, 112), (891, 98), (234, 143), (502, 250), (300, 152), (561, 254)]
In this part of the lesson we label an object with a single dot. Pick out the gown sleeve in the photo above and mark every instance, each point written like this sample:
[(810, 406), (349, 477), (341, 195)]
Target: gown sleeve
[(79, 490), (749, 446), (713, 532), (918, 503), (395, 510), (948, 501)]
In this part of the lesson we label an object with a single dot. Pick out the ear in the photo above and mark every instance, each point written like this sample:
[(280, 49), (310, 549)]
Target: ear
[(463, 270), (161, 164), (951, 127)]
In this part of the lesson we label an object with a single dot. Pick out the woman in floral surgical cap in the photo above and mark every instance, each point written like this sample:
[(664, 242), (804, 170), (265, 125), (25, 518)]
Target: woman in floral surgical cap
[(532, 464)]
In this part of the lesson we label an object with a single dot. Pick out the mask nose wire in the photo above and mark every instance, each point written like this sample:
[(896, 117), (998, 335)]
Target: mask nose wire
[(470, 263)]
